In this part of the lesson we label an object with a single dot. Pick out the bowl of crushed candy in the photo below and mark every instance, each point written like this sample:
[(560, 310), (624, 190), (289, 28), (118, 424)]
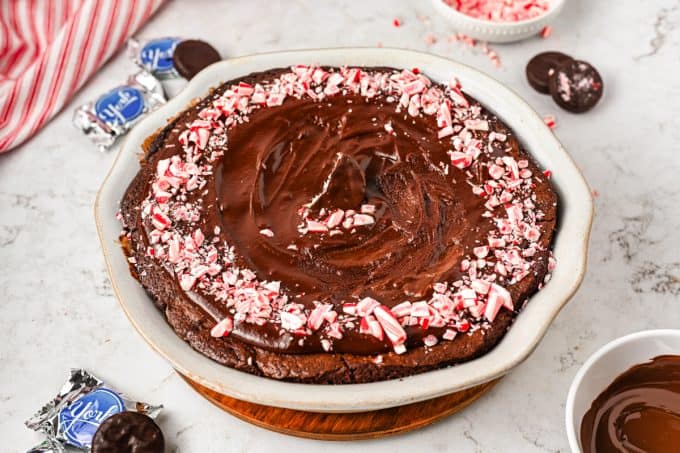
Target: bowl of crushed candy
[(499, 21)]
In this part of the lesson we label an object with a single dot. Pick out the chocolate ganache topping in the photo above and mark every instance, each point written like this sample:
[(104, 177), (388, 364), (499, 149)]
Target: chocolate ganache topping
[(338, 154), (370, 211)]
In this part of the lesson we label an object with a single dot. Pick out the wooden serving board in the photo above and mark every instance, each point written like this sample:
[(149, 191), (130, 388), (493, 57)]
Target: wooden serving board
[(352, 426)]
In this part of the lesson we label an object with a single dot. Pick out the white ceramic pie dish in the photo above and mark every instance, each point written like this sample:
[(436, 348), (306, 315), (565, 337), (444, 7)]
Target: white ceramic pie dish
[(571, 246), (485, 30), (608, 363)]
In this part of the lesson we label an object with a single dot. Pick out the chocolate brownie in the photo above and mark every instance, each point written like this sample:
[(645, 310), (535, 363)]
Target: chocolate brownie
[(338, 225)]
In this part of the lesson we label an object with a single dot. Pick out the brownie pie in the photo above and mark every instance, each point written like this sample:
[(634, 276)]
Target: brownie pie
[(338, 225)]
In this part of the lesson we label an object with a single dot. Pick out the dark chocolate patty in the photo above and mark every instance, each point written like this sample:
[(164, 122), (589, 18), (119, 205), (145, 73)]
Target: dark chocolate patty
[(539, 68), (192, 55), (576, 86), (128, 432)]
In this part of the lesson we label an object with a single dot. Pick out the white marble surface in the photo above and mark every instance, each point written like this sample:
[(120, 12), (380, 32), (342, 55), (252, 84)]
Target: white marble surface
[(57, 309)]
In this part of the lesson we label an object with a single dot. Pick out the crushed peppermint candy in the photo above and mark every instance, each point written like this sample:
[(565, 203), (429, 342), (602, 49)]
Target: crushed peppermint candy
[(203, 262), (267, 232), (501, 10), (430, 39), (472, 43), (550, 121), (336, 222), (493, 56), (546, 32)]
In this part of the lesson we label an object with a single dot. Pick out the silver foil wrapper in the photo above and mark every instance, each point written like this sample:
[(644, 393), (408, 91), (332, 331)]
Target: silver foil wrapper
[(114, 113), (48, 446), (155, 56), (72, 417)]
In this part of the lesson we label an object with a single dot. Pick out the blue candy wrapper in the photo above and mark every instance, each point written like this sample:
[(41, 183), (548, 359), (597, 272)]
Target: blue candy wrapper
[(155, 56), (115, 112), (72, 418)]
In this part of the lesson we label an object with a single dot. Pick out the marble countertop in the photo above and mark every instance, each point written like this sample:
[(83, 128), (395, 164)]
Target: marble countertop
[(57, 309)]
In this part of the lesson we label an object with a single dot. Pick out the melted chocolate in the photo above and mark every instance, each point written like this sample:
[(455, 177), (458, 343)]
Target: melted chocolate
[(638, 412), (337, 154)]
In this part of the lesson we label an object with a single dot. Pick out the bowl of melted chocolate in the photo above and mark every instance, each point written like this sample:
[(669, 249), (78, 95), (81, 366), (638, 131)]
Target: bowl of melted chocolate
[(626, 397)]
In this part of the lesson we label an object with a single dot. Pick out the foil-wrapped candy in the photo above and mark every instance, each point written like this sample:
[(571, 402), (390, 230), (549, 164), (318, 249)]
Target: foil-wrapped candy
[(72, 417), (114, 113)]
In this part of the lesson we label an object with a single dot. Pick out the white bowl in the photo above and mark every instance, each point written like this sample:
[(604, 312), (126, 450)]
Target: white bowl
[(607, 364), (571, 245), (485, 30)]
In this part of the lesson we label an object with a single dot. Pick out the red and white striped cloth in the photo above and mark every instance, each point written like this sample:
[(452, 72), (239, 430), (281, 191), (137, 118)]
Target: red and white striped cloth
[(50, 48)]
